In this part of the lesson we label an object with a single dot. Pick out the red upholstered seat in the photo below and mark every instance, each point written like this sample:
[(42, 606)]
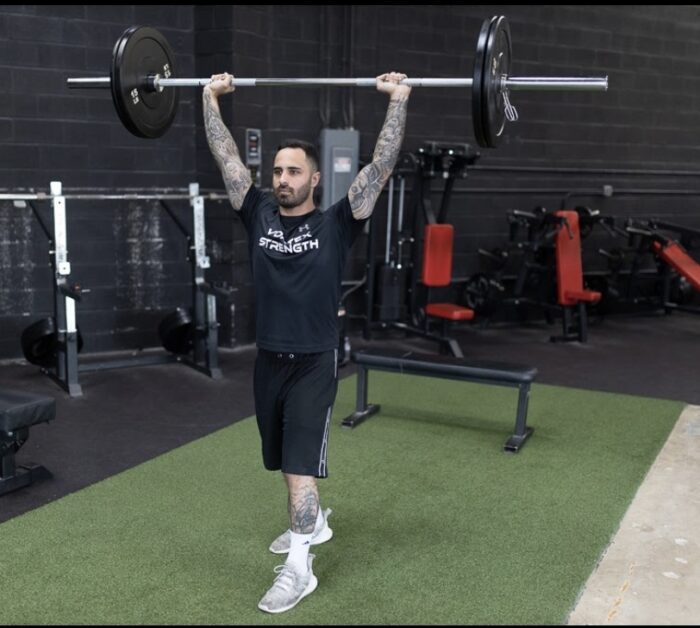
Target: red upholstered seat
[(449, 311), (570, 288), (437, 271), (677, 257)]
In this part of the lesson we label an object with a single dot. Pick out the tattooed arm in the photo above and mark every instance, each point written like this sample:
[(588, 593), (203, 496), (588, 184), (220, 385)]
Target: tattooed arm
[(366, 187), (236, 176)]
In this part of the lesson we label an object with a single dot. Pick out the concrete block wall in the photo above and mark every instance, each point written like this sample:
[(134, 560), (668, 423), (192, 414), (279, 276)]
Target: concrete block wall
[(639, 136)]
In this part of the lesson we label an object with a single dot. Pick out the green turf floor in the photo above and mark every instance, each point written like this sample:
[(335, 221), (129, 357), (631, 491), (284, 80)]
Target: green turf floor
[(433, 523)]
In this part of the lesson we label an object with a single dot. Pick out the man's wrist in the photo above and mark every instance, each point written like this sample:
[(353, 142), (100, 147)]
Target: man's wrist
[(207, 92), (400, 95)]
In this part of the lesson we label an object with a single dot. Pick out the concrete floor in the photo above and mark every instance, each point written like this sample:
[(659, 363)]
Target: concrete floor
[(650, 573)]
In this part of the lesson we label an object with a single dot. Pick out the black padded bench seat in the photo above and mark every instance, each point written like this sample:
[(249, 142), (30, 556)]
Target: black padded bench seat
[(18, 412), (445, 367)]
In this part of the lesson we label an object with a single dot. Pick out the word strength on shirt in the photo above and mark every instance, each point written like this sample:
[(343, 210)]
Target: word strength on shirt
[(275, 242)]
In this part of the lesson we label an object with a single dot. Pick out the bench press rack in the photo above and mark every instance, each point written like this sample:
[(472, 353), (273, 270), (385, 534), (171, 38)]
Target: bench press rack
[(66, 370)]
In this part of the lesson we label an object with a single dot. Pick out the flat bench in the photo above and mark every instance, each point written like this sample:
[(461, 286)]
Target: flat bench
[(445, 367), (18, 412)]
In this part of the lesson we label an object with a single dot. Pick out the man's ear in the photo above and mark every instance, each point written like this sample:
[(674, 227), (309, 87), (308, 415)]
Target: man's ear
[(315, 178)]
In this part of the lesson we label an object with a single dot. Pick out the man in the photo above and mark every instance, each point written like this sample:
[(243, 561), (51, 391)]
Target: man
[(297, 254)]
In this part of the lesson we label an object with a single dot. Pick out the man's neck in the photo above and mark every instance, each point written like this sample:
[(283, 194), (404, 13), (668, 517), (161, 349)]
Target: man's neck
[(300, 210)]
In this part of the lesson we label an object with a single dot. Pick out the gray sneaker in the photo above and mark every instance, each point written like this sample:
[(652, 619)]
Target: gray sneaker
[(281, 544), (289, 588)]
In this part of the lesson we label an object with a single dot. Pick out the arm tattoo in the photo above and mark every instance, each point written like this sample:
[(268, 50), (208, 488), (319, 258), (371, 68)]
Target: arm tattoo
[(236, 176), (366, 187)]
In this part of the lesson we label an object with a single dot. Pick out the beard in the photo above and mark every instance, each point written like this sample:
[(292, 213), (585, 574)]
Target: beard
[(289, 198)]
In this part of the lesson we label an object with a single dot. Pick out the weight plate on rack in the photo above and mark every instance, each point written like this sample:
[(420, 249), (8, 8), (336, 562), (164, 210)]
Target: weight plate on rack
[(40, 344), (176, 331)]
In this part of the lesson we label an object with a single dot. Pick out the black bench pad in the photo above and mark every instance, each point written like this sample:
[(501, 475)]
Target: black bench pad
[(445, 365), (22, 409)]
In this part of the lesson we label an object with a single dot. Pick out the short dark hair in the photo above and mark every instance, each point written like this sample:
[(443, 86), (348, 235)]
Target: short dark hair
[(308, 148)]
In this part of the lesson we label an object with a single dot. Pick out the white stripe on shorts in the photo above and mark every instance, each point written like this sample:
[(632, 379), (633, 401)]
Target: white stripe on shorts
[(323, 462), (324, 445)]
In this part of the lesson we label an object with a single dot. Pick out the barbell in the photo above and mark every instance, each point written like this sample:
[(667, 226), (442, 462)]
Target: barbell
[(141, 80)]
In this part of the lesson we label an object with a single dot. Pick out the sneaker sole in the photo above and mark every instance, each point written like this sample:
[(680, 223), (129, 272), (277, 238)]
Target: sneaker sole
[(310, 588)]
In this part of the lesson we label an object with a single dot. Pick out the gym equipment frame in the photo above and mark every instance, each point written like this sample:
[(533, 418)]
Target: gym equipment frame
[(204, 334)]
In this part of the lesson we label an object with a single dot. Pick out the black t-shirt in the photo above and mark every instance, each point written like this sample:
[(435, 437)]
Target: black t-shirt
[(297, 265)]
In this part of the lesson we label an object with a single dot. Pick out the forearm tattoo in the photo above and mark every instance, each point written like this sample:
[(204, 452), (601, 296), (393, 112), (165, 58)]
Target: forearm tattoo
[(303, 509), (237, 179), (366, 188)]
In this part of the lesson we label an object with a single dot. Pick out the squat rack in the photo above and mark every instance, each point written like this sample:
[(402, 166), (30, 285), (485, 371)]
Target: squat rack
[(204, 353)]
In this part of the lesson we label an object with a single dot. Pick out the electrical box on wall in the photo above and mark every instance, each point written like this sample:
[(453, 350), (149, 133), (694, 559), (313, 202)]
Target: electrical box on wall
[(340, 149), (253, 153)]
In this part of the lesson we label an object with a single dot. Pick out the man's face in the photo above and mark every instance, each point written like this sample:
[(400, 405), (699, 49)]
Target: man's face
[(293, 180)]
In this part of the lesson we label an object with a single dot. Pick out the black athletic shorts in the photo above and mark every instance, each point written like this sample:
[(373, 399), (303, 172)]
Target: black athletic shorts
[(294, 396)]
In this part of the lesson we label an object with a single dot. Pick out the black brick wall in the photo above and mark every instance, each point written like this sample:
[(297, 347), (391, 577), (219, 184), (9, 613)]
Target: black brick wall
[(641, 134)]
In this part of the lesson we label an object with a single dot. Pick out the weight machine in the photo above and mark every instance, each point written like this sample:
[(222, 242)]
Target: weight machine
[(543, 256), (678, 271), (521, 272), (398, 293)]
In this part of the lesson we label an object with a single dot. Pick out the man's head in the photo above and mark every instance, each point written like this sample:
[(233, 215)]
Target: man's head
[(295, 173)]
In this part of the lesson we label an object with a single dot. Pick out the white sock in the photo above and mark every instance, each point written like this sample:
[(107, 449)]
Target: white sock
[(299, 551)]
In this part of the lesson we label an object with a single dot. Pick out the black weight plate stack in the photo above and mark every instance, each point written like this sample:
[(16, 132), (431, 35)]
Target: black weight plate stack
[(142, 52), (40, 344), (176, 331), (479, 295)]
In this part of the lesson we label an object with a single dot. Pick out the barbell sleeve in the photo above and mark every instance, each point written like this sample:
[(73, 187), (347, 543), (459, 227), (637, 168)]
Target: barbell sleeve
[(543, 83), (89, 83)]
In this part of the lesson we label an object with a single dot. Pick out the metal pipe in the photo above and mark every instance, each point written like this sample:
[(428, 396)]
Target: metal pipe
[(311, 82), (515, 83), (534, 83), (389, 220), (96, 197), (24, 197), (214, 196), (587, 171)]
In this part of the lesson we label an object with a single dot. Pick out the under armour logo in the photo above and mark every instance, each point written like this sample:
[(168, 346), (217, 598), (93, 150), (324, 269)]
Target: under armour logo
[(304, 228)]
